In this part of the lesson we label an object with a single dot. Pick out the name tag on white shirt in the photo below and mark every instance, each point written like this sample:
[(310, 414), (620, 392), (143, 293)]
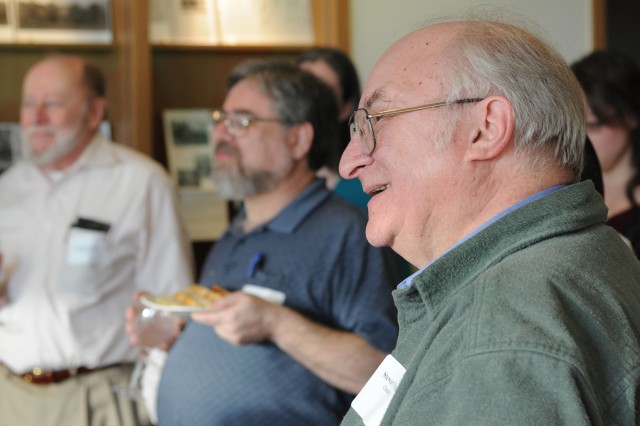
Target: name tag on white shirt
[(264, 293), (374, 398), (84, 246)]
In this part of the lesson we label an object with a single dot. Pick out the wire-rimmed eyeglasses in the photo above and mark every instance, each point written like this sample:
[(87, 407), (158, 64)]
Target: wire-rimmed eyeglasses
[(360, 123), (236, 122)]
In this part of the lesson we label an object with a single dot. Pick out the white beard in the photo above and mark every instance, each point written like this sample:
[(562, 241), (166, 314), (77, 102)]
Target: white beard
[(64, 141)]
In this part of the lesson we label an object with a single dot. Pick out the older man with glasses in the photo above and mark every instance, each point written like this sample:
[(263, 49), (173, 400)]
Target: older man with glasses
[(526, 307), (315, 315)]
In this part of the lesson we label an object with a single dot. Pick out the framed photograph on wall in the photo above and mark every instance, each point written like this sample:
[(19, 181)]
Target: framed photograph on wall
[(189, 146), (186, 22), (187, 134), (265, 22), (7, 21), (63, 21)]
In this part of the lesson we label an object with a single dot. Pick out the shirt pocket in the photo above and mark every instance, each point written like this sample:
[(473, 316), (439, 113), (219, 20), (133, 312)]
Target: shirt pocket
[(86, 252), (267, 286)]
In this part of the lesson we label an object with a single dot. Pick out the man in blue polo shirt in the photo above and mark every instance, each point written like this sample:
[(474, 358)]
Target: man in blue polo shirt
[(328, 321)]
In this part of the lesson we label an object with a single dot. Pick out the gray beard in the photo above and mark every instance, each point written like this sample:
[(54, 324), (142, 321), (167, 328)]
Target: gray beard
[(235, 186), (65, 141), (64, 144)]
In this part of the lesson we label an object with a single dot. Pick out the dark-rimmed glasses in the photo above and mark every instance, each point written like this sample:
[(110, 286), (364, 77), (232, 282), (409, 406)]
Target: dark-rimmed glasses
[(236, 122), (360, 124)]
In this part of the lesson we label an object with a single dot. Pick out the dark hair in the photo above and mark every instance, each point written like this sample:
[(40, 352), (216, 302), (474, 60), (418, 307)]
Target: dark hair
[(297, 97), (341, 64), (344, 68), (93, 78), (591, 170), (611, 82)]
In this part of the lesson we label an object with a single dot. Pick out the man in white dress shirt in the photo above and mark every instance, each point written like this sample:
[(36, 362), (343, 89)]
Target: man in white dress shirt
[(84, 224)]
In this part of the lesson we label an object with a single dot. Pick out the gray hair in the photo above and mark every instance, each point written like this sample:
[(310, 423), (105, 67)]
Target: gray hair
[(298, 97), (497, 58)]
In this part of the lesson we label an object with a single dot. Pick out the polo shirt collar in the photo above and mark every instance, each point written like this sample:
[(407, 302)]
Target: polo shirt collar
[(294, 213)]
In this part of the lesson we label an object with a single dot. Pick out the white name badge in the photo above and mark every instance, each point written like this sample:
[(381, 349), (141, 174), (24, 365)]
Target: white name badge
[(264, 293), (84, 246), (374, 398)]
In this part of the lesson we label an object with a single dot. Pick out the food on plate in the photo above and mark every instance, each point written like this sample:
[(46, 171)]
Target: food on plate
[(193, 295)]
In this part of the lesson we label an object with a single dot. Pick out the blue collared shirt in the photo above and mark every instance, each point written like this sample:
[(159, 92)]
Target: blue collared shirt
[(316, 254)]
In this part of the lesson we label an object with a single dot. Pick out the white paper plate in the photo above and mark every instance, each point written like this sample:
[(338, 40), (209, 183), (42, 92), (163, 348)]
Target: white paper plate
[(150, 301)]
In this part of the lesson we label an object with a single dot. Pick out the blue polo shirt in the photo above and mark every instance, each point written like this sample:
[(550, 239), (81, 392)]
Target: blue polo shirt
[(316, 253)]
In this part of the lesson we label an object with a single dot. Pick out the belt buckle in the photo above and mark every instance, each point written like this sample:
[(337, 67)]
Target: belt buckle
[(38, 376), (35, 375)]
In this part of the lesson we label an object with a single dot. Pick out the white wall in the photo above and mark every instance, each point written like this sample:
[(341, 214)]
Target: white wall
[(376, 24)]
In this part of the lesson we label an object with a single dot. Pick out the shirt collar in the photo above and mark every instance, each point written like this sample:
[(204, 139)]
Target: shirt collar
[(99, 152), (294, 213)]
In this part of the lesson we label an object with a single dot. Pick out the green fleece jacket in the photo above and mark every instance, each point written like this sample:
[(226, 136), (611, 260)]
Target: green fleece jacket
[(533, 321)]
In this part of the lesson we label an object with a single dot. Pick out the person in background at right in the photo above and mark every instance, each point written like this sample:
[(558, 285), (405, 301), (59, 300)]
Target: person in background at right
[(611, 82), (335, 68), (591, 168)]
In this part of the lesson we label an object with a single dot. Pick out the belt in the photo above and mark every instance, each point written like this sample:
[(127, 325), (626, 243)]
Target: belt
[(37, 376)]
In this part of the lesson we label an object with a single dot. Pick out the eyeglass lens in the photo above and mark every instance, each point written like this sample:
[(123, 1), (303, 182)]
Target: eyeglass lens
[(360, 127), (234, 124)]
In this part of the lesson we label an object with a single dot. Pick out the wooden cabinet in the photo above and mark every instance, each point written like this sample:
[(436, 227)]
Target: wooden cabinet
[(143, 80)]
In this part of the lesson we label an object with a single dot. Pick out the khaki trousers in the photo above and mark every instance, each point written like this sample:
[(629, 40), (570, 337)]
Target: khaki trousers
[(84, 400)]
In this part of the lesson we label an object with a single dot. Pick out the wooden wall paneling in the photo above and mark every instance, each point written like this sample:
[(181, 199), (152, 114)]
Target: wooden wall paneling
[(599, 19), (331, 23), (133, 109), (14, 63)]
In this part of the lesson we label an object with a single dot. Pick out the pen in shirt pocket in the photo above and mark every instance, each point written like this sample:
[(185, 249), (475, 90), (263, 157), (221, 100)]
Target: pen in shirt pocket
[(256, 262)]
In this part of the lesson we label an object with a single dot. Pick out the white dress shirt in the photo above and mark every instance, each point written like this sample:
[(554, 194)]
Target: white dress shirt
[(69, 285)]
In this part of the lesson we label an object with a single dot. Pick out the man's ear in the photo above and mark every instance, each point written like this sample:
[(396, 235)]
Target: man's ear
[(96, 112), (300, 139), (493, 129)]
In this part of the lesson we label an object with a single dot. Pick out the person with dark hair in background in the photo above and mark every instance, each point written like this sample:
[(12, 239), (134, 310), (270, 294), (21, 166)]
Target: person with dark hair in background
[(336, 69), (611, 82), (591, 169), (310, 315), (525, 309), (84, 224)]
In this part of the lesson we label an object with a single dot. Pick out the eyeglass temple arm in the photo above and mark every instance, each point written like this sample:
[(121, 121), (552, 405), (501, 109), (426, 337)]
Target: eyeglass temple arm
[(417, 108)]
